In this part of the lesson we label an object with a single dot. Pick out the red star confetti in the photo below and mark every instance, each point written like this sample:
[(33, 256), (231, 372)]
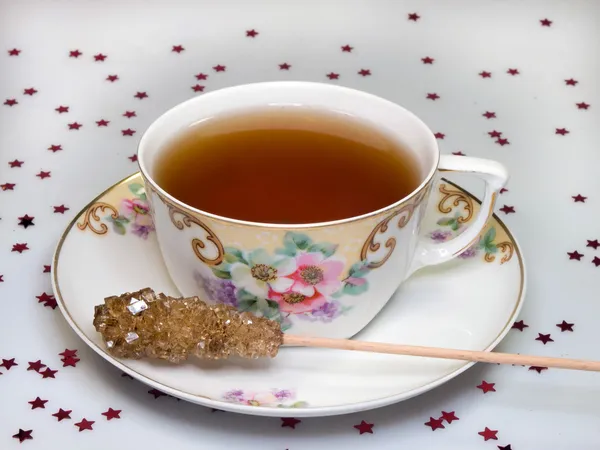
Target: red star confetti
[(60, 209), (582, 105), (545, 22), (459, 153), (75, 126), (197, 88), (26, 221), (512, 72), (112, 414), (177, 48), (55, 148), (364, 72), (593, 244), (99, 57), (575, 255), (427, 60), (128, 132), (36, 365), (75, 54), (495, 134), (562, 131), (62, 109), (46, 269), (156, 393), (29, 91), (508, 209), (251, 33), (48, 373), (219, 68), (85, 425), (520, 325), (43, 175), (289, 422), (347, 48), (1, 278), (19, 247), (504, 447), (38, 403), (11, 102), (23, 435), (129, 114), (571, 82), (565, 326), (62, 414), (435, 423), (67, 353), (579, 198), (432, 96), (201, 76), (284, 66), (364, 427), (485, 74), (538, 369), (8, 363), (488, 434), (503, 190), (333, 76), (449, 416), (414, 17), (141, 95), (489, 115), (544, 338), (133, 158), (15, 163), (102, 123), (439, 135), (126, 375), (14, 52), (7, 186), (112, 78), (48, 300), (70, 361), (596, 261), (487, 387), (502, 142)]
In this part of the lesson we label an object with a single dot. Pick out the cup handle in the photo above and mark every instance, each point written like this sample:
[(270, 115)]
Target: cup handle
[(495, 176)]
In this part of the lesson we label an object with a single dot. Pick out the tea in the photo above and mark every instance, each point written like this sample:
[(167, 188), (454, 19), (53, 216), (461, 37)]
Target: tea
[(286, 165)]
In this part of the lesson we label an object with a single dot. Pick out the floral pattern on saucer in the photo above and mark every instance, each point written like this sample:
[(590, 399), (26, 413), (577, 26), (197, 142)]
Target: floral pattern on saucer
[(275, 398), (134, 213)]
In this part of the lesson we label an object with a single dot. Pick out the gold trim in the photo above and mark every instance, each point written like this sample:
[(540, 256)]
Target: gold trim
[(91, 216), (460, 197)]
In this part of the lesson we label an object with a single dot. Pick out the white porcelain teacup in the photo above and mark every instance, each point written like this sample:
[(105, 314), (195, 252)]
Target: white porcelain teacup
[(355, 264)]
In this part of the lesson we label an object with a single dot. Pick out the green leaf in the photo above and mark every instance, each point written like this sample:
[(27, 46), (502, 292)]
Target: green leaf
[(454, 225), (352, 289), (138, 190), (489, 236), (325, 248), (233, 255), (445, 221), (119, 227), (223, 274), (248, 306), (272, 311), (359, 269), (244, 296), (299, 405), (287, 251), (298, 240), (490, 248)]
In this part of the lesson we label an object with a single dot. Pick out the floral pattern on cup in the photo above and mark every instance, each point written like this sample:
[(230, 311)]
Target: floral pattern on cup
[(275, 398), (134, 213), (301, 279)]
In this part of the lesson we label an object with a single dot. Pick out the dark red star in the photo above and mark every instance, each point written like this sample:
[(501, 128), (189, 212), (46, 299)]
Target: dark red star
[(1, 278), (432, 96), (197, 88), (346, 48), (289, 422), (565, 326), (571, 82), (201, 76), (99, 57), (545, 22), (43, 175), (26, 221), (502, 142), (15, 163), (414, 17), (8, 363), (62, 109), (427, 60), (177, 48), (512, 72), (36, 365), (23, 435), (60, 209), (251, 33), (495, 134), (449, 416), (102, 122), (582, 105), (38, 403), (596, 261), (575, 255), (11, 102), (112, 414), (19, 248), (156, 393), (538, 369), (503, 190), (284, 66), (112, 78), (435, 423), (61, 414), (219, 68), (439, 135), (68, 353), (562, 131), (126, 375), (48, 373), (487, 387), (129, 114), (593, 244), (488, 434), (459, 153), (504, 447), (485, 74), (75, 54), (48, 300), (29, 91), (133, 158), (364, 72), (70, 361), (75, 126), (128, 132), (85, 424), (364, 427), (55, 148), (579, 198), (7, 186), (489, 115), (46, 269), (14, 52), (333, 76), (507, 209), (520, 325), (544, 338), (141, 95)]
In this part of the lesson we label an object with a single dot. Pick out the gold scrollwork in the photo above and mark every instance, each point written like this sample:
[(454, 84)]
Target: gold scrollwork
[(460, 197), (506, 248), (91, 216), (197, 244)]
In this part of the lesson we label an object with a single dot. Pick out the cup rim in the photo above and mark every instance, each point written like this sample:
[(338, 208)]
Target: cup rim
[(341, 89)]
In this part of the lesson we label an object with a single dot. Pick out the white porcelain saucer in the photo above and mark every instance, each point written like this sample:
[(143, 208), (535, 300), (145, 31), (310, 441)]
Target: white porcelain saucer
[(110, 248)]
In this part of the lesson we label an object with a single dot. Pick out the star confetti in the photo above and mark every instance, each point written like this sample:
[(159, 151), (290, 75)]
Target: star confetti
[(100, 57), (427, 60), (414, 17), (55, 148), (38, 403), (439, 135), (596, 261), (503, 190), (128, 132), (544, 338), (48, 373), (198, 88), (70, 361), (575, 255), (74, 126), (502, 142), (504, 447), (60, 209), (487, 387), (126, 375), (29, 91), (347, 48), (495, 134), (46, 269), (8, 363), (284, 66), (561, 131), (112, 78), (512, 72), (26, 221), (75, 54), (508, 209), (582, 105), (133, 158), (36, 365), (140, 95), (571, 82), (62, 109), (85, 424), (545, 22), (20, 248), (129, 114), (538, 369), (112, 414), (7, 186), (579, 198), (201, 76), (102, 122), (62, 414), (219, 68), (364, 427), (333, 76), (177, 48), (23, 435), (43, 175), (289, 422), (485, 74), (593, 244), (565, 326), (252, 33), (435, 423), (488, 434), (459, 153), (156, 393), (432, 96), (449, 416), (520, 325), (489, 115), (14, 52), (67, 353), (11, 102), (364, 72)]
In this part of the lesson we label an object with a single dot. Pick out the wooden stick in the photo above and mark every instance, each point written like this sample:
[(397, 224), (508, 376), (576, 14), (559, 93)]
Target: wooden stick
[(444, 353)]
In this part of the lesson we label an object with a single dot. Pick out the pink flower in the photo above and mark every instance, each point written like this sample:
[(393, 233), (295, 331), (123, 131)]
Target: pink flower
[(137, 211), (296, 303), (316, 274)]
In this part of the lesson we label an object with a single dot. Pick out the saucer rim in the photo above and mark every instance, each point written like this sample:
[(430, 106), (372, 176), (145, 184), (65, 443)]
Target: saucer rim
[(320, 411)]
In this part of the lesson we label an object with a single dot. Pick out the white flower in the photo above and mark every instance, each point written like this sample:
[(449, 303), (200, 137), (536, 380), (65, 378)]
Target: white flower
[(263, 272)]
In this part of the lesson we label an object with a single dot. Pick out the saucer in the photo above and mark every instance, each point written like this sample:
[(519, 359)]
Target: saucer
[(470, 303)]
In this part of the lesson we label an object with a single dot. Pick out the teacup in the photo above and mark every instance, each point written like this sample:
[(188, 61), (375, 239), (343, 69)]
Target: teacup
[(356, 263)]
